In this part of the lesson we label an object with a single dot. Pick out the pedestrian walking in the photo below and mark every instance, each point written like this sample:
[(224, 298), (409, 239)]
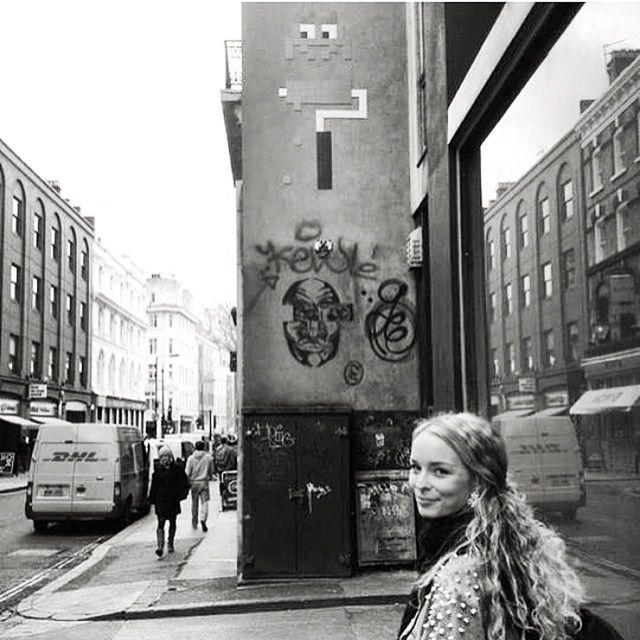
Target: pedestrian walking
[(225, 459), (489, 569), (199, 471), (169, 486)]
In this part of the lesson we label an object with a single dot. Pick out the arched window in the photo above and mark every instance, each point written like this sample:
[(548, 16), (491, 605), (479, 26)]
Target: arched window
[(17, 209), (505, 238), (491, 252), (122, 383), (566, 204), (524, 234), (100, 370), (112, 375), (543, 211), (55, 239), (72, 249), (38, 226)]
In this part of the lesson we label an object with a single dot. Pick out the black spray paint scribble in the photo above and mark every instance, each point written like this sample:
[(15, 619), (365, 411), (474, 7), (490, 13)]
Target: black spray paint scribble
[(313, 333), (390, 326), (353, 372)]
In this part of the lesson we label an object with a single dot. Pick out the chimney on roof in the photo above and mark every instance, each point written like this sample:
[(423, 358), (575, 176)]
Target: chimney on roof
[(54, 184), (90, 219), (502, 187), (619, 60), (77, 209)]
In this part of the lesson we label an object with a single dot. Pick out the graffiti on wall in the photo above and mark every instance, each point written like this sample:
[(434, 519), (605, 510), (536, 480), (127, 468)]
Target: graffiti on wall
[(300, 259), (313, 333), (391, 326), (353, 372)]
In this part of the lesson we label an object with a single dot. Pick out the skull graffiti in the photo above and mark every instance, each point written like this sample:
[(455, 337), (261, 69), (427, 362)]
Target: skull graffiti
[(313, 335)]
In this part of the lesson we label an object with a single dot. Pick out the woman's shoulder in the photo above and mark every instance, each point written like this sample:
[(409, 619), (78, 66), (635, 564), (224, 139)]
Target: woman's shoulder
[(459, 566)]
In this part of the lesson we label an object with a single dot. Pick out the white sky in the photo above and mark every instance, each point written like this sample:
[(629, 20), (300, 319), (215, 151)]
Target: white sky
[(120, 102), (548, 106)]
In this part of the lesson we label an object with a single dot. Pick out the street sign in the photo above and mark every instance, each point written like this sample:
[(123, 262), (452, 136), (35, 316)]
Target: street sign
[(527, 385), (37, 390)]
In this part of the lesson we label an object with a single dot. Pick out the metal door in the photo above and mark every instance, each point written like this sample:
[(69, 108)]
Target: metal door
[(296, 496)]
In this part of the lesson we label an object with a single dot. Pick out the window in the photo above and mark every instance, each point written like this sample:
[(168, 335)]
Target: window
[(329, 31), (14, 354), (154, 320), (508, 299), (526, 290), (17, 215), (545, 216), (619, 160), (71, 255), (170, 345), (506, 243), (569, 268), (83, 316), (82, 371), (595, 169), (492, 307), (526, 355), (68, 367), (566, 195), (307, 31), (70, 309), (495, 363), (170, 371), (53, 363), (37, 231), (573, 354), (84, 265), (55, 244), (54, 300), (491, 255), (623, 228), (509, 359), (549, 346), (170, 320), (547, 284), (153, 346), (524, 230), (14, 290), (600, 238), (34, 365), (36, 294)]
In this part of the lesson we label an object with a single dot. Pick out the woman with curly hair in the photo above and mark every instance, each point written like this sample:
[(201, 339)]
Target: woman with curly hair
[(490, 570)]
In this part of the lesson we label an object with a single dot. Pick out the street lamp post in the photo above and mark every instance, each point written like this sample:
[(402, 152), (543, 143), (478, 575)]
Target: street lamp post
[(160, 427)]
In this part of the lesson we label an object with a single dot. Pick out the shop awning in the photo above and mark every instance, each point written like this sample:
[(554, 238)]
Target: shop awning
[(612, 399), (45, 420), (18, 420), (550, 411), (516, 413)]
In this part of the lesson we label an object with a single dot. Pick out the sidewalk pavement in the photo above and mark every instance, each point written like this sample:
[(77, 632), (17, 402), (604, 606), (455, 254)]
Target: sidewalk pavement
[(9, 484), (124, 580)]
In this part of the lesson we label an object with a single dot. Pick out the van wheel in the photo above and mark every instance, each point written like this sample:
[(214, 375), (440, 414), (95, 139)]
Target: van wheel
[(40, 526)]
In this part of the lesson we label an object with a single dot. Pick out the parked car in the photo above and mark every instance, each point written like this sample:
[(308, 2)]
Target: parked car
[(87, 471)]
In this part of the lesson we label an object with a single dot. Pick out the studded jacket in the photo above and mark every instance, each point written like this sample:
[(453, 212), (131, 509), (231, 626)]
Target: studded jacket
[(450, 611)]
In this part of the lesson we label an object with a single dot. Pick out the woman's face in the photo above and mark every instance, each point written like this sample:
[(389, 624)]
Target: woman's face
[(165, 460), (441, 483)]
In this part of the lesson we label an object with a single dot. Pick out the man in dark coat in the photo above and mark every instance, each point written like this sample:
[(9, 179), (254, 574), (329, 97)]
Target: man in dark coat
[(169, 486)]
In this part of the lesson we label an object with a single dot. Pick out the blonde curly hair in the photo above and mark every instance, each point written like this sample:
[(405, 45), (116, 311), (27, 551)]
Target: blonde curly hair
[(526, 583)]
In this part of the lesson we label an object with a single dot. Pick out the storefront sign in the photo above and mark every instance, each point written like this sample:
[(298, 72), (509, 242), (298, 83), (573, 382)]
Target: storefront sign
[(521, 402), (556, 398), (527, 385), (43, 408), (9, 407), (74, 405), (385, 518), (37, 390)]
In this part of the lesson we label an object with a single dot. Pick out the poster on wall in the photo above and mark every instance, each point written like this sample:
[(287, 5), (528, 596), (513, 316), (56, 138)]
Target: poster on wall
[(6, 462), (385, 518)]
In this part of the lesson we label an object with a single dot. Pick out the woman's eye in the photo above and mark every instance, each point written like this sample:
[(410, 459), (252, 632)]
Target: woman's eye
[(414, 467), (441, 472)]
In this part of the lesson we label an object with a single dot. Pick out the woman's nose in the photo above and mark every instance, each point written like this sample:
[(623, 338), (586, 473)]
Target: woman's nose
[(422, 480)]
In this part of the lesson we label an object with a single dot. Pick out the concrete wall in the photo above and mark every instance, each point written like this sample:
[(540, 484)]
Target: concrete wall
[(338, 329)]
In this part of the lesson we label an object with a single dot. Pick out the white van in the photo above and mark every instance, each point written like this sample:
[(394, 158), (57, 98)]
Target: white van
[(87, 471), (544, 460)]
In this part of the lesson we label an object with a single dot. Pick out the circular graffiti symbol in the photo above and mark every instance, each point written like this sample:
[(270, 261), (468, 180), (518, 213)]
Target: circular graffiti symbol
[(353, 373), (390, 325)]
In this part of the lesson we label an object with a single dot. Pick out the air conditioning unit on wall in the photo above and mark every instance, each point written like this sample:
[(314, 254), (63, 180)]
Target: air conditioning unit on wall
[(413, 249)]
